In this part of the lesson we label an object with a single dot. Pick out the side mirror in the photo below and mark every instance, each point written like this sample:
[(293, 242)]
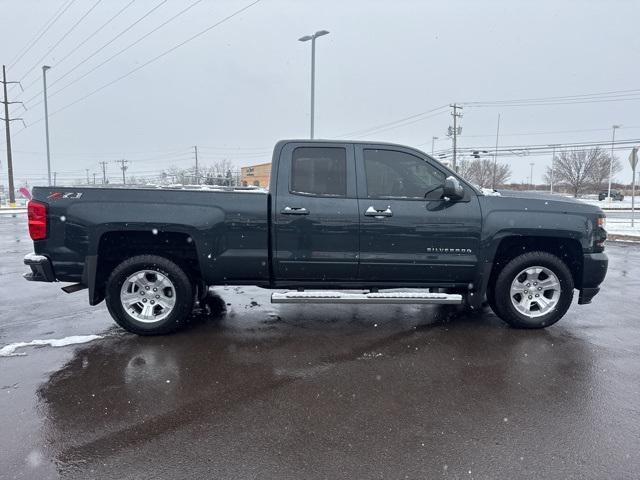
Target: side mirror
[(452, 189)]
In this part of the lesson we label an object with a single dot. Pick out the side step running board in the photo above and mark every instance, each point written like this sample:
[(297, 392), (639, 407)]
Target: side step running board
[(373, 298)]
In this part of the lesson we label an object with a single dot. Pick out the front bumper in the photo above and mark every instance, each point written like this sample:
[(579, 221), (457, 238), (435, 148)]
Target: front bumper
[(41, 268), (594, 269)]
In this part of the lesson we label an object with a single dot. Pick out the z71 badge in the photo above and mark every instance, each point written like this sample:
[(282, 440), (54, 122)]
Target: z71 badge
[(61, 195)]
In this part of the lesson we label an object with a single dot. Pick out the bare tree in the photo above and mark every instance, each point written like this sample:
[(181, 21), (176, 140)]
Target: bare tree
[(599, 177), (218, 173), (179, 175), (480, 172), (575, 168)]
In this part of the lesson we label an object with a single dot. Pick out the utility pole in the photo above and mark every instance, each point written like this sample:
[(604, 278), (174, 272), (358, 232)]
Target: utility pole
[(433, 144), (553, 164), (46, 120), (531, 176), (55, 175), (87, 170), (613, 142), (104, 172), (633, 161), (195, 151), (94, 178), (123, 167), (495, 156), (7, 122), (455, 132)]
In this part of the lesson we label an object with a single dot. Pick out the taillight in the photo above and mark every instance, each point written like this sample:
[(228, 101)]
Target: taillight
[(600, 234), (37, 213)]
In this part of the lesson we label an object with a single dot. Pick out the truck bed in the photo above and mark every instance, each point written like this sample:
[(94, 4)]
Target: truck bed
[(226, 231)]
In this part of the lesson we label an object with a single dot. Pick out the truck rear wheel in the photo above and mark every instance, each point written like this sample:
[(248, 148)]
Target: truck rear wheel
[(534, 290), (149, 295)]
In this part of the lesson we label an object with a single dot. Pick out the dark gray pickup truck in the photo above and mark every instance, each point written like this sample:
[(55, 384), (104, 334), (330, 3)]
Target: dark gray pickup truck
[(342, 222)]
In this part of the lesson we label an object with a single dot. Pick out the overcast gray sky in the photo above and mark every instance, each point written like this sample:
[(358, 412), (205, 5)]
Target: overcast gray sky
[(237, 89)]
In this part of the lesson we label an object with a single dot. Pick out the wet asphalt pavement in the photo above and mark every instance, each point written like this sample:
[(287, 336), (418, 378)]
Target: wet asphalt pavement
[(266, 391)]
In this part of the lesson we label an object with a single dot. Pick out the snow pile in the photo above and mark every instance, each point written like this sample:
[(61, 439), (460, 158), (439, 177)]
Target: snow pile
[(9, 350)]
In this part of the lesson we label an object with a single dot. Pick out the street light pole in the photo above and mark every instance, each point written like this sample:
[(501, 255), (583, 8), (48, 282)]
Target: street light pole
[(433, 144), (46, 120), (613, 142), (306, 38)]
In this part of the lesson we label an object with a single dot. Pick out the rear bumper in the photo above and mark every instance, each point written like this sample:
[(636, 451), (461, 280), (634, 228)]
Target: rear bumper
[(41, 269), (594, 269)]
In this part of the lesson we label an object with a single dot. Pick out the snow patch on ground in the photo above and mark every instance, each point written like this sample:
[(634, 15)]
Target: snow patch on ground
[(12, 211), (622, 226), (610, 205), (10, 350)]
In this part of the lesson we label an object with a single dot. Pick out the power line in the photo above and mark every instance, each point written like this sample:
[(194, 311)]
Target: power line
[(61, 39), (394, 124), (131, 45), (613, 93), (149, 12), (564, 145), (541, 149), (45, 28), (84, 41), (154, 59), (232, 147), (536, 104), (150, 155), (551, 132)]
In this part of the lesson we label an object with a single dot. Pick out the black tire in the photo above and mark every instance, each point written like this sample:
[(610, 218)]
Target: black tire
[(503, 306), (184, 295)]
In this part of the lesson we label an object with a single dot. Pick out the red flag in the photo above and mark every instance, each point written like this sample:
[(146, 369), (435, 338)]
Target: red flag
[(25, 192)]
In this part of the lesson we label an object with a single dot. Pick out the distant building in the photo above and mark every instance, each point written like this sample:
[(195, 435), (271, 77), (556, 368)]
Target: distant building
[(256, 175)]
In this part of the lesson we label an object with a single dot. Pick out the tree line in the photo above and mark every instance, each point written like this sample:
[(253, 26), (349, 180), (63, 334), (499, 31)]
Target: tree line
[(578, 171)]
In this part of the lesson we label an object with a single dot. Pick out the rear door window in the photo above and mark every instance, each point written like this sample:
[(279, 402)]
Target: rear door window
[(319, 171)]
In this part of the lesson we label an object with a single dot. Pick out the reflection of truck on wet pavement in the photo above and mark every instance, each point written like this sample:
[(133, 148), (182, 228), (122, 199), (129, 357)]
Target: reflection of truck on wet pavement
[(343, 222)]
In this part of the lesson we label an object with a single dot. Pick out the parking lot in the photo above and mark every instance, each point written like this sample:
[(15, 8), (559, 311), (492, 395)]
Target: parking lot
[(265, 391)]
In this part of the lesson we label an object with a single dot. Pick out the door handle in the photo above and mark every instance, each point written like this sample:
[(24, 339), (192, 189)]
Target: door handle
[(295, 211), (373, 212)]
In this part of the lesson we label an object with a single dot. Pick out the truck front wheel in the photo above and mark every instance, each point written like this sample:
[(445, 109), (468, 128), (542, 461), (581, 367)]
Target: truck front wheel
[(534, 290), (149, 295)]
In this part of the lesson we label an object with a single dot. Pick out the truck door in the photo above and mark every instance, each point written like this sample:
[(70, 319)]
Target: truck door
[(316, 213), (405, 237)]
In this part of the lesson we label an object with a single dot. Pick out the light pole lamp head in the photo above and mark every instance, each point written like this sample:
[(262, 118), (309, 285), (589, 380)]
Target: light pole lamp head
[(45, 68), (617, 126), (319, 33)]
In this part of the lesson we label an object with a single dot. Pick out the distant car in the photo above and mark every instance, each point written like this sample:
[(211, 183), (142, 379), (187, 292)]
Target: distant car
[(615, 195)]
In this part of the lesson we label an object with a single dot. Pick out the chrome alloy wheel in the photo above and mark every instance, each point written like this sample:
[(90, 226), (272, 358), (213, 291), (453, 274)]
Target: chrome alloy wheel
[(535, 291), (148, 296)]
